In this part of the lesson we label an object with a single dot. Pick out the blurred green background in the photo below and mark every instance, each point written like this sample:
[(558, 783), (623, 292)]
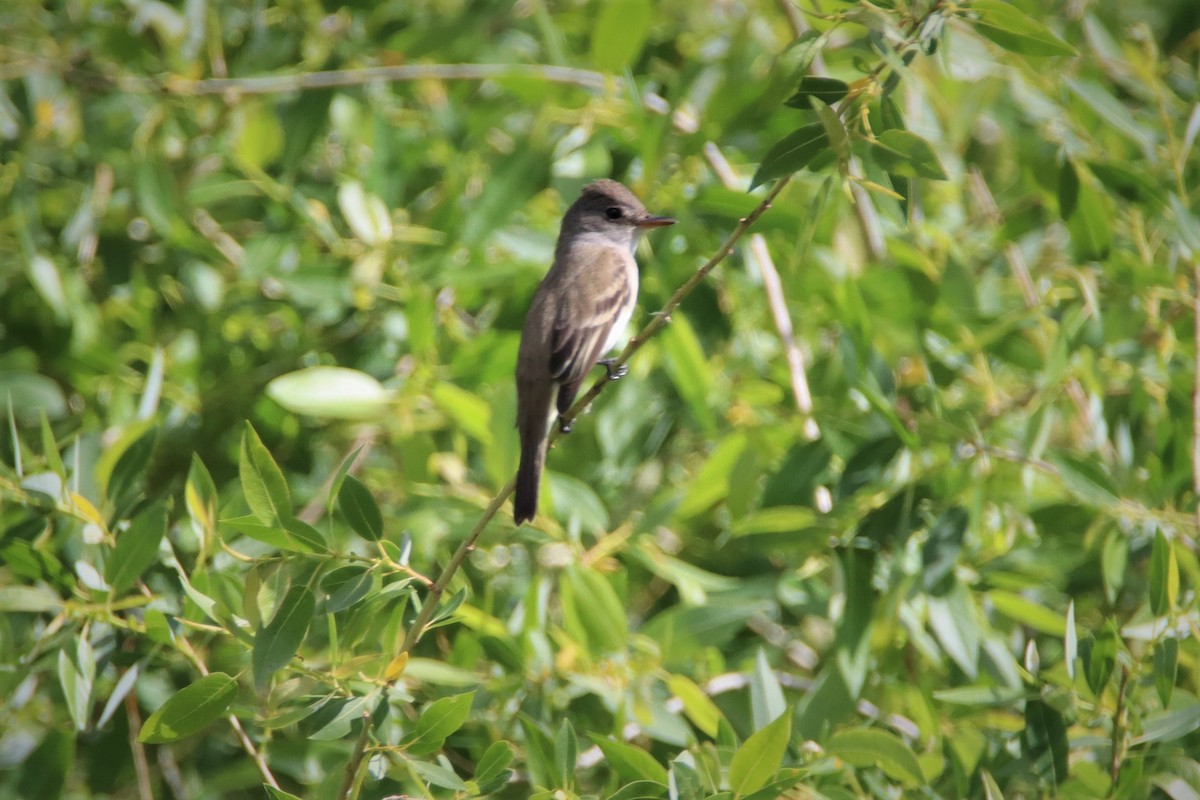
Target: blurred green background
[(966, 568)]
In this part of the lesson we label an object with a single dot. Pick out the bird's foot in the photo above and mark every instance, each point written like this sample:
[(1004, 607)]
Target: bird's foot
[(615, 371), (564, 425)]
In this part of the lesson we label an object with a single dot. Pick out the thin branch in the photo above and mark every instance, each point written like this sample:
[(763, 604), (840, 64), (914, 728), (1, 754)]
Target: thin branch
[(264, 769), (1118, 731), (417, 629), (141, 768), (169, 769), (429, 607), (664, 316), (276, 84), (773, 287), (354, 765), (1196, 391), (864, 212), (783, 326)]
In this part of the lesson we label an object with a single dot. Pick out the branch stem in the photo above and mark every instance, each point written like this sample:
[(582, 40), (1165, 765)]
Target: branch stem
[(415, 631)]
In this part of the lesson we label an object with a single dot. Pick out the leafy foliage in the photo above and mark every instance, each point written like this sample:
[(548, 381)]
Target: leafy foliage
[(902, 500)]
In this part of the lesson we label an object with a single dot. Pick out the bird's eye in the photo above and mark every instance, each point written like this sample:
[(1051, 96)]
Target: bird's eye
[(612, 212)]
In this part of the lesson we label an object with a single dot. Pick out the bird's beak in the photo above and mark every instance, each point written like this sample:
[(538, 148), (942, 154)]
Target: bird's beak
[(655, 222)]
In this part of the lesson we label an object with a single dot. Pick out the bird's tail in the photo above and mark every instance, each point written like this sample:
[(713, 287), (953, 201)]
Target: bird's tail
[(532, 420), (529, 478)]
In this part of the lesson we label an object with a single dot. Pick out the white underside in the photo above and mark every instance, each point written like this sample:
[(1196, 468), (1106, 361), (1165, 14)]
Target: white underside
[(621, 326), (619, 329)]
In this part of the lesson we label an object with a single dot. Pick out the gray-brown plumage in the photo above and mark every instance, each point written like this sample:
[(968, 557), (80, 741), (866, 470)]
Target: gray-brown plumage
[(579, 313)]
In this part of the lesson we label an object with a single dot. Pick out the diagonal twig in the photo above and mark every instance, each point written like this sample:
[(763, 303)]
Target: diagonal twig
[(329, 79), (657, 322)]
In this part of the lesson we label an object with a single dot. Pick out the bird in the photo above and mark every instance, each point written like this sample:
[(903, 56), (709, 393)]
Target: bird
[(579, 312)]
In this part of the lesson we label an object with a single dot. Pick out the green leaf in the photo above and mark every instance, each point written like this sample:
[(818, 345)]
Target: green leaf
[(445, 612), (593, 602), (200, 496), (294, 535), (278, 794), (1112, 111), (1170, 725), (50, 447), (905, 154), (779, 519), (44, 771), (156, 192), (1099, 653), (258, 138), (639, 790), (275, 644), (494, 762), (566, 750), (1166, 666), (126, 482), (684, 781), (792, 153), (983, 696), (869, 747), (759, 756), (629, 762), (263, 484), (991, 790), (689, 370), (777, 788), (1068, 190), (698, 706), (796, 479), (439, 719), (190, 710), (1007, 26), (942, 548), (345, 586), (619, 33), (1045, 740), (1087, 210), (30, 599), (539, 753), (137, 549), (766, 695), (835, 129), (790, 66), (1114, 559), (1164, 576), (1129, 183), (303, 120), (331, 393), (339, 475), (359, 507), (470, 412), (1027, 612), (814, 87), (955, 623), (28, 394), (76, 676), (711, 484), (438, 774)]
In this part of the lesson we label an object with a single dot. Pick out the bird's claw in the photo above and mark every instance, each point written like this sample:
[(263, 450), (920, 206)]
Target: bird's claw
[(614, 370), (564, 425)]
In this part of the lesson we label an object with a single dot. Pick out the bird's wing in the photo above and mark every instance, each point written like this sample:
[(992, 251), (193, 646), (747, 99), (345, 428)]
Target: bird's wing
[(583, 323)]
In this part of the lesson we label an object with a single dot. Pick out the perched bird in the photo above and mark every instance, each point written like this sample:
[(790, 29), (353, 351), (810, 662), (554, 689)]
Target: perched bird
[(579, 313)]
